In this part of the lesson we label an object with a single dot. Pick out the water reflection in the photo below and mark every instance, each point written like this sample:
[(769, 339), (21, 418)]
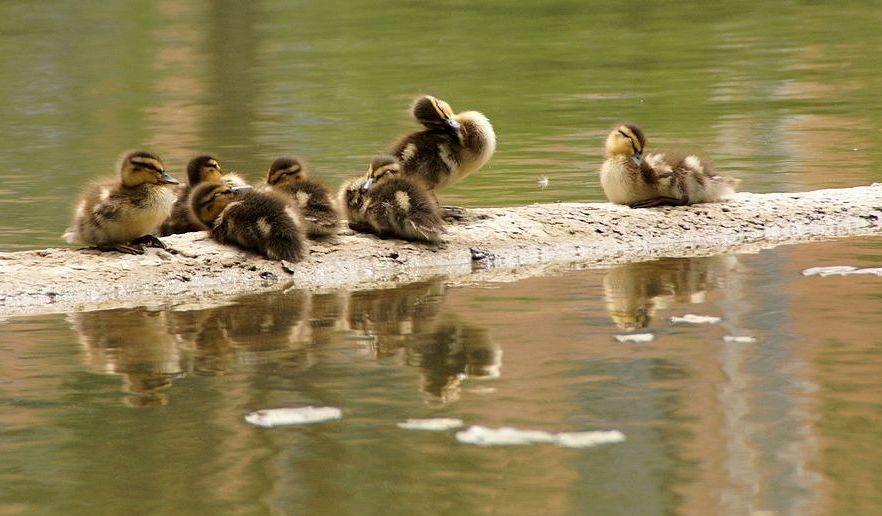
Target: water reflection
[(401, 326), (634, 291)]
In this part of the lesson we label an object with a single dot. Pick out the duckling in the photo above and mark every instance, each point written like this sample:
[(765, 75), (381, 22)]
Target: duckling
[(201, 169), (260, 221), (450, 148), (656, 179), (399, 206), (351, 199), (290, 177), (120, 214)]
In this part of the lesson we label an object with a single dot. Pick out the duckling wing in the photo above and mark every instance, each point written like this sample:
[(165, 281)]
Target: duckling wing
[(431, 156)]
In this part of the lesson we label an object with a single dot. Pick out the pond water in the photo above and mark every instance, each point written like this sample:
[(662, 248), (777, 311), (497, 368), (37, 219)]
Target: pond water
[(141, 411)]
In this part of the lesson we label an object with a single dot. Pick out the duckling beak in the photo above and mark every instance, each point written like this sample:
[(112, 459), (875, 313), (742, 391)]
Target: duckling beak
[(166, 179), (637, 158), (452, 126), (367, 184), (239, 190)]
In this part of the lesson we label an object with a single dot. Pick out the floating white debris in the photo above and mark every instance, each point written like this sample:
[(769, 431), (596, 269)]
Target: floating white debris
[(437, 424), (637, 338), (269, 418), (695, 319), (588, 439), (542, 183), (505, 436), (842, 270), (739, 339), (836, 270)]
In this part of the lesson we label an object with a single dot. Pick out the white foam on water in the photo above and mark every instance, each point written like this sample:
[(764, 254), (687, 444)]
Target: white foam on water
[(269, 418), (636, 338), (739, 339), (507, 436), (437, 424), (588, 439), (695, 319), (836, 270)]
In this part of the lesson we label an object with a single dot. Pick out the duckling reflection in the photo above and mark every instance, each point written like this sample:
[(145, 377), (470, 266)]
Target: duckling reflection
[(454, 351), (134, 344), (634, 291), (260, 323), (387, 317)]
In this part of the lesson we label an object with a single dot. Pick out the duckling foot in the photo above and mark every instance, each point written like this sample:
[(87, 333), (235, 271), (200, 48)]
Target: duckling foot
[(450, 213), (123, 248), (659, 201), (150, 241)]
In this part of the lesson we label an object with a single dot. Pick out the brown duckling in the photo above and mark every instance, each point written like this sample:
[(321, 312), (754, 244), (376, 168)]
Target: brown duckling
[(263, 222), (450, 148), (290, 177), (351, 199), (656, 179), (399, 206), (121, 214), (201, 169)]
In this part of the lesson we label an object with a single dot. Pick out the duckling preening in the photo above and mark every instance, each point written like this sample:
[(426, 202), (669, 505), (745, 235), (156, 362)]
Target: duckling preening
[(451, 147), (290, 177), (201, 169), (658, 178), (351, 199), (121, 214), (399, 206), (263, 222)]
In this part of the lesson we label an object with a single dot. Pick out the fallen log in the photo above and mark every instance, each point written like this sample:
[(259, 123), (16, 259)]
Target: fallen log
[(487, 239)]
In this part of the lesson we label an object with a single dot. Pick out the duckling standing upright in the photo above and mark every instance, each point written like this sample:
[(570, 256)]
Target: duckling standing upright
[(398, 206), (452, 146), (290, 177), (260, 221), (656, 179), (120, 214), (201, 169)]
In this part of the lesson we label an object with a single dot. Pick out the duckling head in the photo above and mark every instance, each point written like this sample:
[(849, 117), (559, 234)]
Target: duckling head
[(626, 140), (203, 169), (138, 168), (435, 114), (208, 200), (382, 169), (286, 170)]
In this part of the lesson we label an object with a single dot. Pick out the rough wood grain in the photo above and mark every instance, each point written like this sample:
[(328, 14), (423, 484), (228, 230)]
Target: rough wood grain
[(495, 242)]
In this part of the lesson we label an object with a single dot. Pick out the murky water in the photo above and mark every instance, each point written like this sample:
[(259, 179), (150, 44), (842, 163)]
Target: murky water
[(140, 411)]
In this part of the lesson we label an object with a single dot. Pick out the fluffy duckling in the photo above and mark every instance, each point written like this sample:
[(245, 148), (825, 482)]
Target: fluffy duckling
[(399, 206), (201, 169), (120, 214), (450, 148), (260, 221), (290, 176), (656, 179), (351, 199)]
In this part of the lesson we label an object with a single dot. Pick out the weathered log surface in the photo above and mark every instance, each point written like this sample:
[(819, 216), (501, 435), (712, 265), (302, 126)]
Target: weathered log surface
[(488, 239)]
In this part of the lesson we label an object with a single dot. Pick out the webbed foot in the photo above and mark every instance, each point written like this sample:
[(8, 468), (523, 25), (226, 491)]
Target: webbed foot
[(150, 241), (659, 201), (123, 248)]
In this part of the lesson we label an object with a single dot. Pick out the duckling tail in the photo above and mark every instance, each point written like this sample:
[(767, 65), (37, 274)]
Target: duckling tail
[(286, 245), (70, 236)]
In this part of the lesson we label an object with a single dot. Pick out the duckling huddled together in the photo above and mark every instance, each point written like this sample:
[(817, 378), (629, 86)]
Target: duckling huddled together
[(395, 198)]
